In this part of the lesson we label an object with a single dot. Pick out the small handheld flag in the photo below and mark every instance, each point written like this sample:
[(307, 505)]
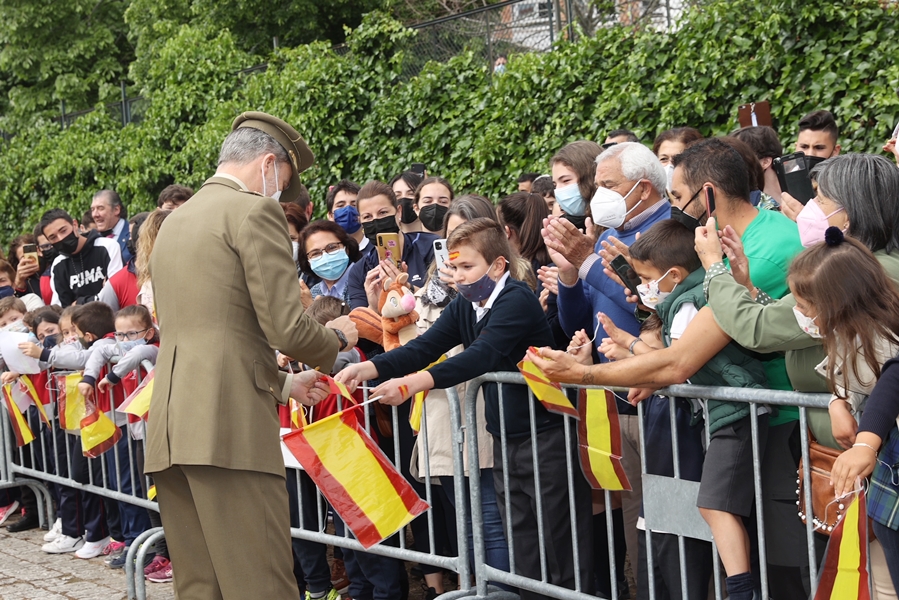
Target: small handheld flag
[(845, 572), (599, 441), (549, 394)]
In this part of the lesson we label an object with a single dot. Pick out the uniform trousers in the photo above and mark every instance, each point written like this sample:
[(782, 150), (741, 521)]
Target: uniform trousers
[(228, 533)]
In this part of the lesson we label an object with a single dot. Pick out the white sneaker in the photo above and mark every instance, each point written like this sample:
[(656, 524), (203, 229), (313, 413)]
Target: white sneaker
[(7, 511), (92, 549), (54, 531), (63, 544)]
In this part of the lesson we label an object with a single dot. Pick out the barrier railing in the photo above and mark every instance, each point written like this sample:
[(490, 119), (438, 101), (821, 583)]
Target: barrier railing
[(579, 589), (35, 465)]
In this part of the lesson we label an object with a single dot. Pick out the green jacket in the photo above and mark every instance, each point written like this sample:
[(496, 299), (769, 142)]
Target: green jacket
[(732, 366), (773, 328)]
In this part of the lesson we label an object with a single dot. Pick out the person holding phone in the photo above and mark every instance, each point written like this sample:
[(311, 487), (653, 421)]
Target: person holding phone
[(381, 213), (31, 258)]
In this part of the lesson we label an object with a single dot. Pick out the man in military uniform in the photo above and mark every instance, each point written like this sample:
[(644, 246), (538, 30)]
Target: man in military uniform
[(227, 297)]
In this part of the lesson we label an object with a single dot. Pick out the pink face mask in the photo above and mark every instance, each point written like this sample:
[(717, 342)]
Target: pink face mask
[(812, 223)]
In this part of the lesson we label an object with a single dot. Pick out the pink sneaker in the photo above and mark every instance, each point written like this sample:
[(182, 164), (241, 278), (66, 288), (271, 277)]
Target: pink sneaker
[(163, 575), (156, 564), (7, 511)]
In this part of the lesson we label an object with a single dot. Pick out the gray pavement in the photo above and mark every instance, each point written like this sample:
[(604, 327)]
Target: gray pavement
[(26, 573)]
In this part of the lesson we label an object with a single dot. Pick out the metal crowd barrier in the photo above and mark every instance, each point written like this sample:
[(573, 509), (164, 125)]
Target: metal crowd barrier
[(473, 577), (656, 511)]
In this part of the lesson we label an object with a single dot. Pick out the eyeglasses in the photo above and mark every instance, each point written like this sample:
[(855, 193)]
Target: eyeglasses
[(314, 254), (130, 335)]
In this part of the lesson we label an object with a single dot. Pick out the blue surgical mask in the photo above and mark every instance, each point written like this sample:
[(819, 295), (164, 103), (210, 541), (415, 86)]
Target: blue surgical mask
[(126, 345), (570, 200), (478, 291), (330, 265), (348, 218)]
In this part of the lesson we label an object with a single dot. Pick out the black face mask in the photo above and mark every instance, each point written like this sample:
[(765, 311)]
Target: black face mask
[(432, 216), (67, 245), (579, 222), (49, 341), (688, 221), (408, 215), (382, 225)]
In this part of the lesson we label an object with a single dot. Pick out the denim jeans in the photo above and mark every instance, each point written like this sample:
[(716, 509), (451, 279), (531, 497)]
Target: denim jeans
[(889, 539), (497, 549)]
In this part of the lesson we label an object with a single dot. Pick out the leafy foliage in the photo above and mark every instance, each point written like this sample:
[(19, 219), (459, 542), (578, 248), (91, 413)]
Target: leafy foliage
[(364, 120)]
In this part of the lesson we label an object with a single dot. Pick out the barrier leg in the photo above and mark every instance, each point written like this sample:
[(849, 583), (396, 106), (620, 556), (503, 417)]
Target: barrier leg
[(135, 551)]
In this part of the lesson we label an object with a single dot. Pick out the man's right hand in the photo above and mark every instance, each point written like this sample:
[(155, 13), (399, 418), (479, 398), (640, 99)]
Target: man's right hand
[(348, 328)]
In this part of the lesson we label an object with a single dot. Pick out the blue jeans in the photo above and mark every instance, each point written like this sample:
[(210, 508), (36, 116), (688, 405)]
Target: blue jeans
[(889, 539), (135, 520), (497, 549)]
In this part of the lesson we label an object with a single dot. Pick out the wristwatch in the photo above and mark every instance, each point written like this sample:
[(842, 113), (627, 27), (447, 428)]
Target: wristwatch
[(343, 341)]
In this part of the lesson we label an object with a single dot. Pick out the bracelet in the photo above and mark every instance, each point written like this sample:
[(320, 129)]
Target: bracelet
[(866, 446), (634, 343)]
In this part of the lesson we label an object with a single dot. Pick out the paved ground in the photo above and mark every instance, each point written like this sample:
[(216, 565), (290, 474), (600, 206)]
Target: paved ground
[(26, 573)]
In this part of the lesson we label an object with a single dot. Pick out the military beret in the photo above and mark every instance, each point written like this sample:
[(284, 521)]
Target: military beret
[(298, 152)]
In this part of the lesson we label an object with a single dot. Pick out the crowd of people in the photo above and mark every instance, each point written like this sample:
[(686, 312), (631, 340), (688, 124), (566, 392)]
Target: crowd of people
[(621, 266)]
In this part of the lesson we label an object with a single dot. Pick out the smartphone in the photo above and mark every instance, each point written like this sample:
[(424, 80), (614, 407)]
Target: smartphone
[(710, 203), (418, 169), (30, 251), (793, 174), (441, 254), (389, 248), (895, 132), (626, 273)]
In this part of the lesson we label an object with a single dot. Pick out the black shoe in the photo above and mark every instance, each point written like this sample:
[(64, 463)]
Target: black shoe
[(29, 521)]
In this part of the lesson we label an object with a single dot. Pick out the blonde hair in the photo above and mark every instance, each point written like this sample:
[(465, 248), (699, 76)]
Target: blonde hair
[(145, 242)]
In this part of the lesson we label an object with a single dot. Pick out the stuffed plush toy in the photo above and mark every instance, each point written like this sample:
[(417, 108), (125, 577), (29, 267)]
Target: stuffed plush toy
[(396, 324)]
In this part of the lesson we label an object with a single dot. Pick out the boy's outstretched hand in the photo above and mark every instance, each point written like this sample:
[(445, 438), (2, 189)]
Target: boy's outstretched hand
[(309, 387), (396, 391), (355, 375), (86, 390), (103, 384)]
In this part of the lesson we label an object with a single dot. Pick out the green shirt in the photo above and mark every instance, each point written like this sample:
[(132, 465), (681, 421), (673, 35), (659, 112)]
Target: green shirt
[(770, 243)]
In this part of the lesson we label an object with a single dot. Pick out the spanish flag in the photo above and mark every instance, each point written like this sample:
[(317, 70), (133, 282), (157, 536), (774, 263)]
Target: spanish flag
[(98, 432), (138, 402), (340, 389), (297, 415), (366, 490), (16, 418), (599, 441), (416, 411), (35, 386), (70, 402), (845, 572), (548, 393)]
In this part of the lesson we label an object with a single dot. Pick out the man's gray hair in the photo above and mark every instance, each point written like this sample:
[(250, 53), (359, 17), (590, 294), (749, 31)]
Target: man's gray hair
[(246, 144), (637, 162)]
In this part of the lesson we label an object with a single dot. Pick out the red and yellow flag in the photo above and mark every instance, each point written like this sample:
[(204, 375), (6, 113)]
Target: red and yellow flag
[(35, 386), (416, 410), (549, 394), (70, 402), (599, 441), (845, 572), (366, 490), (16, 418), (98, 432), (138, 402)]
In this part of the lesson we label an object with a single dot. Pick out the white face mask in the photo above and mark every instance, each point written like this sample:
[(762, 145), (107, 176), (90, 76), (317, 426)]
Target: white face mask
[(669, 175), (296, 251), (807, 324), (277, 193), (650, 294), (609, 208)]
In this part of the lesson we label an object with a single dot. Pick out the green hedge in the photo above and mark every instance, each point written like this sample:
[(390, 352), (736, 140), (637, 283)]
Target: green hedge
[(363, 120)]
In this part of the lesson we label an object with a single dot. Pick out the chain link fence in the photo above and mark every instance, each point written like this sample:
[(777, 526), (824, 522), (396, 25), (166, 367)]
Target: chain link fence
[(513, 26)]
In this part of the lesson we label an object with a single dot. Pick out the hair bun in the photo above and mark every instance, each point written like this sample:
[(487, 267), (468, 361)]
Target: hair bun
[(833, 236)]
